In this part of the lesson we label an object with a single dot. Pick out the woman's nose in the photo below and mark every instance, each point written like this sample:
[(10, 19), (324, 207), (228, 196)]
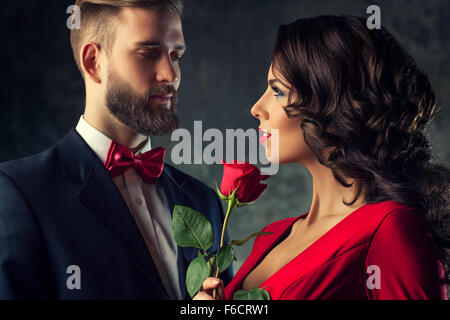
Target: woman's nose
[(258, 111)]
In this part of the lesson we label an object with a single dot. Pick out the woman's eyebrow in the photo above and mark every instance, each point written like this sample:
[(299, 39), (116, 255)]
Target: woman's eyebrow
[(272, 81)]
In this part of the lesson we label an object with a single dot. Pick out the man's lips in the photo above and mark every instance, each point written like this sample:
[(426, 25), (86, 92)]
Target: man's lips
[(264, 137), (162, 97)]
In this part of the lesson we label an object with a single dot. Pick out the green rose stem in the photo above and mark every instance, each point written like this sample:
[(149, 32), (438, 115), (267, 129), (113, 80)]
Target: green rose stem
[(231, 204)]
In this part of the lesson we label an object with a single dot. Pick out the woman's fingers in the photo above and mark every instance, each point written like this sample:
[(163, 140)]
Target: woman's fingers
[(208, 287), (202, 295), (211, 283), (220, 292)]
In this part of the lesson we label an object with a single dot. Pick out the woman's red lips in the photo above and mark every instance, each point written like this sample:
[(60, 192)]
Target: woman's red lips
[(264, 137)]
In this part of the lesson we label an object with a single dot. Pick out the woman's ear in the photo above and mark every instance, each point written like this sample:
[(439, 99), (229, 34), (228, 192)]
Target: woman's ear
[(90, 61)]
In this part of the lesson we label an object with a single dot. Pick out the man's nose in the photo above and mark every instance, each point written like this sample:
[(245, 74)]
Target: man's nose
[(258, 110), (166, 71)]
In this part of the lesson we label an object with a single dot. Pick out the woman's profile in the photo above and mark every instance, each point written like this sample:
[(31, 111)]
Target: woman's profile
[(353, 108)]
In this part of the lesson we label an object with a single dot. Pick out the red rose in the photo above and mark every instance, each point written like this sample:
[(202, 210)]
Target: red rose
[(244, 176)]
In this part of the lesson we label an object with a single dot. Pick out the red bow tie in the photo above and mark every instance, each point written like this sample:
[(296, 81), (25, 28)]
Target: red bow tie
[(149, 164)]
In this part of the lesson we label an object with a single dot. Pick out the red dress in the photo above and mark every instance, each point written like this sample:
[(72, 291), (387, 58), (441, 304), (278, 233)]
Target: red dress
[(379, 251)]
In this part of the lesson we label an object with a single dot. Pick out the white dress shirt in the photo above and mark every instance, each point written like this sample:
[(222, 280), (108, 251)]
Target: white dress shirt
[(149, 207)]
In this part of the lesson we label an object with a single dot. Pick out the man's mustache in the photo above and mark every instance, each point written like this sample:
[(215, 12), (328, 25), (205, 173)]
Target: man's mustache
[(162, 90)]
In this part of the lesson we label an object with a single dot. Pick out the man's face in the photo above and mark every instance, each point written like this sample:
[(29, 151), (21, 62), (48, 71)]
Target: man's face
[(143, 70)]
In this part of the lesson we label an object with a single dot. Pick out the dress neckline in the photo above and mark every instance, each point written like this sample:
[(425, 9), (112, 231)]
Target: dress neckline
[(283, 235)]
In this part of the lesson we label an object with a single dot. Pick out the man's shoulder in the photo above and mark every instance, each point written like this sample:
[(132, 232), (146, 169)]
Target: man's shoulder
[(30, 166), (47, 162)]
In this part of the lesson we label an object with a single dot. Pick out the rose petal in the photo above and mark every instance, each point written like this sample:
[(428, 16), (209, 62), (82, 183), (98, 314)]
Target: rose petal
[(244, 175)]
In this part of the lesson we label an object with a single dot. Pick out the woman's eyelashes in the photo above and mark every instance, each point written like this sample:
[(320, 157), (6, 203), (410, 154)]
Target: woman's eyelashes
[(177, 58), (278, 92)]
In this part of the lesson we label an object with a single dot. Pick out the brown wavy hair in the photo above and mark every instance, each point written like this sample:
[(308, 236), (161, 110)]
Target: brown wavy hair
[(362, 96)]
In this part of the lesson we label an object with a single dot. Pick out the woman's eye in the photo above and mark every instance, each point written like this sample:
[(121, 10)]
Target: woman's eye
[(177, 58), (278, 92)]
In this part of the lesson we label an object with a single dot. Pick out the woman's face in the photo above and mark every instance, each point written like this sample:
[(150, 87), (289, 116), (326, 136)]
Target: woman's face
[(269, 111)]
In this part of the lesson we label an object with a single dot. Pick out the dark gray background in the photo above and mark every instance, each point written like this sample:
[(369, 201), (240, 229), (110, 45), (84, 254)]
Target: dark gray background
[(223, 73)]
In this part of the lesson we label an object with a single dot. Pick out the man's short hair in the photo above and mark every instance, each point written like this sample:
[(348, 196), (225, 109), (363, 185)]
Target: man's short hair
[(98, 21)]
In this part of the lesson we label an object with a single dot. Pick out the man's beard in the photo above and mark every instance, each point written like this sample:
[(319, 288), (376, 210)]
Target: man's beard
[(134, 111)]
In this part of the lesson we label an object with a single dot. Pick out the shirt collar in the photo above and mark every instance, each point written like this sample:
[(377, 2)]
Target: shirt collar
[(99, 142)]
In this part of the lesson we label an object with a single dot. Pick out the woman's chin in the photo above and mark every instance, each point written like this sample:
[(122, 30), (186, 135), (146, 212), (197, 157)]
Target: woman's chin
[(275, 159)]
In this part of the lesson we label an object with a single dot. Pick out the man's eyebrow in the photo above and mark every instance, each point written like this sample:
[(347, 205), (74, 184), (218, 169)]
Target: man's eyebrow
[(155, 44)]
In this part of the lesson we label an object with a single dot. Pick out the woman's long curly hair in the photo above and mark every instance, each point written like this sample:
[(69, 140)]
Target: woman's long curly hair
[(362, 97)]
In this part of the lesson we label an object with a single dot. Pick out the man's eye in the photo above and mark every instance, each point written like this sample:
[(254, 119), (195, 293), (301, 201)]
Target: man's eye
[(147, 54)]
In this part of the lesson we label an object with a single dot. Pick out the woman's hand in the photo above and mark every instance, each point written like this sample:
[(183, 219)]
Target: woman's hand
[(206, 291)]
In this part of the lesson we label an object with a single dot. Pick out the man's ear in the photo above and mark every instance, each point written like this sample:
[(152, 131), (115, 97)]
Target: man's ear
[(90, 61)]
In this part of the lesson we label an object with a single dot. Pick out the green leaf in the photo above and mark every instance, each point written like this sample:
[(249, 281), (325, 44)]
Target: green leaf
[(191, 229), (225, 257), (196, 273), (265, 294), (253, 294), (241, 242)]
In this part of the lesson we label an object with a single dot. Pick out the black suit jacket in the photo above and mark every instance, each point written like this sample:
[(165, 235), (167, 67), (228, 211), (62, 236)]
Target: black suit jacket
[(61, 208)]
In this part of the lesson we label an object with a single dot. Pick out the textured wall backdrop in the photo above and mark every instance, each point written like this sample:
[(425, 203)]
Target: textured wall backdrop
[(223, 73)]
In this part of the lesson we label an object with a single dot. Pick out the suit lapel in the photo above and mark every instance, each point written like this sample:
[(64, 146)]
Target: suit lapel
[(101, 197)]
